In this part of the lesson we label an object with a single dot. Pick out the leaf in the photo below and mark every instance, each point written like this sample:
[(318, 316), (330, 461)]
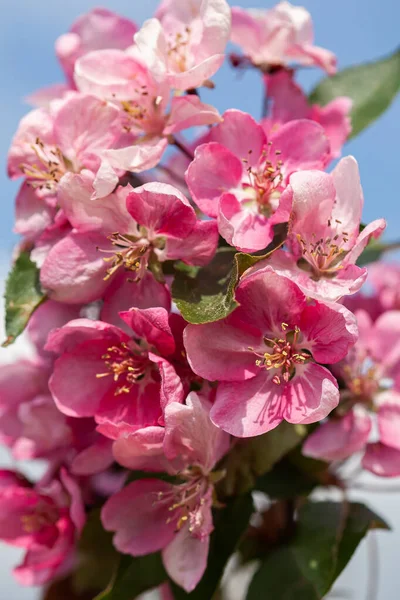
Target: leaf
[(96, 555), (327, 535), (208, 294), (230, 524), (375, 250), (285, 481), (134, 576), (372, 87), (23, 296), (252, 457)]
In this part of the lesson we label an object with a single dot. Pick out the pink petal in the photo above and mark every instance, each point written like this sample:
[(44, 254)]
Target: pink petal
[(78, 331), (382, 460), (371, 231), (75, 387), (339, 438), (162, 209), (220, 350), (349, 195), (248, 408), (139, 516), (191, 436), (151, 324), (303, 145), (122, 294), (197, 75), (330, 331), (246, 230), (142, 450), (285, 301), (99, 28), (389, 418), (240, 134), (74, 269), (198, 248), (189, 111), (96, 458), (32, 213), (84, 126), (213, 171), (144, 154), (311, 395), (185, 559)]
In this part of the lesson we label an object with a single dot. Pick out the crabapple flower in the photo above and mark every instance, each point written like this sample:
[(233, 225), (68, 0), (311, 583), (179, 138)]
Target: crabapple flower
[(187, 45), (148, 117), (267, 356), (324, 232), (371, 380), (289, 102), (239, 175), (131, 229), (44, 520), (49, 144), (98, 29), (150, 515), (123, 381), (279, 36)]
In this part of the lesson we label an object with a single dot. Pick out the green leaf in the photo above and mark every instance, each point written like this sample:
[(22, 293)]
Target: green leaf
[(230, 524), (97, 557), (249, 458), (23, 296), (134, 576), (208, 294), (372, 87), (375, 250), (327, 535), (285, 481), (63, 589)]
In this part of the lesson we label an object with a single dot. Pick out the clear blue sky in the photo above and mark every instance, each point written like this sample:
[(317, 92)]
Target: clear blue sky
[(355, 30)]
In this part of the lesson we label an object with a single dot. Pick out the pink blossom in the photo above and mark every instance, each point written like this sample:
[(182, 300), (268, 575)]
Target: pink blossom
[(267, 356), (147, 114), (279, 36), (131, 229), (370, 376), (239, 175), (187, 45), (385, 279), (99, 28), (339, 438), (289, 102), (324, 232), (46, 522), (49, 144), (150, 515), (124, 381)]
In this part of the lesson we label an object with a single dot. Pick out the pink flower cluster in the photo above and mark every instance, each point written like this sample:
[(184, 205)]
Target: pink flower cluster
[(112, 199)]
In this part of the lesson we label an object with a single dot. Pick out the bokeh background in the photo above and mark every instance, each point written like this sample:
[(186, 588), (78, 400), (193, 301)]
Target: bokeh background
[(357, 31)]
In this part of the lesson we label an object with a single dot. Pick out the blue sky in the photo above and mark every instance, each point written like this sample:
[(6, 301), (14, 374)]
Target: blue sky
[(355, 30)]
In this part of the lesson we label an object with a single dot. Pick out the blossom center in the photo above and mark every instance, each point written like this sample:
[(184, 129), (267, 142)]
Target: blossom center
[(283, 355), (187, 501), (125, 366), (132, 253), (51, 165), (325, 254), (178, 49), (265, 181), (44, 515)]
